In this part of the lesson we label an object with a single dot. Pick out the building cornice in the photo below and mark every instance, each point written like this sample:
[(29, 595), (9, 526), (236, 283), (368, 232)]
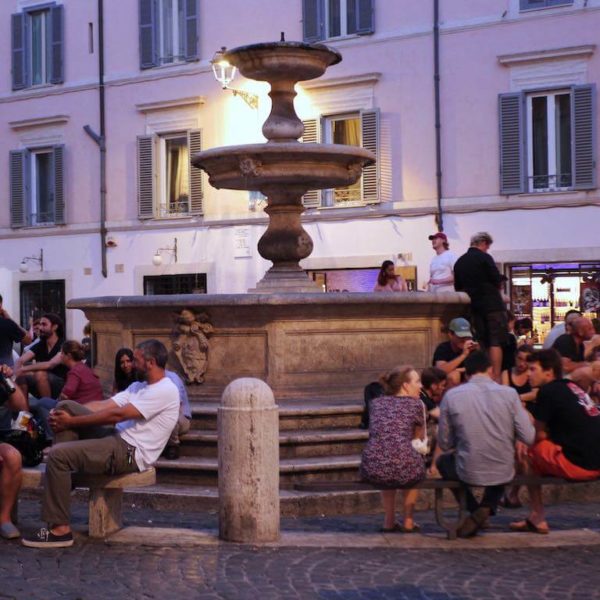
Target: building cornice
[(509, 60), (362, 79), (38, 122), (189, 102)]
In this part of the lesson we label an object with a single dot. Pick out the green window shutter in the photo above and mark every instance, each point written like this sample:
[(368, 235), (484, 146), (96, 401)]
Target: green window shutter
[(513, 174), (191, 16), (59, 192), (56, 44), (19, 186), (312, 198), (18, 42), (196, 191), (369, 121), (148, 34), (583, 127), (360, 17), (313, 20), (146, 175)]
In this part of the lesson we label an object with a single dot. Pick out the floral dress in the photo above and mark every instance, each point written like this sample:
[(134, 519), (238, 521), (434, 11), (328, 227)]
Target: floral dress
[(389, 460)]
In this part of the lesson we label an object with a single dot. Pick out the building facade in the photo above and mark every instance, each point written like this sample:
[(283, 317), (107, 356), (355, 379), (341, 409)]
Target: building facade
[(517, 120)]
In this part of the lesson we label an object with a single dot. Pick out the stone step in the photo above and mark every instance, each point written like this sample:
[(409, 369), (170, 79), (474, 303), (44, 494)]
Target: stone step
[(202, 471), (292, 444)]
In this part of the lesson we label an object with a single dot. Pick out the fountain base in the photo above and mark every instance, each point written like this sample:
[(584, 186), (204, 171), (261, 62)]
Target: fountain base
[(285, 279)]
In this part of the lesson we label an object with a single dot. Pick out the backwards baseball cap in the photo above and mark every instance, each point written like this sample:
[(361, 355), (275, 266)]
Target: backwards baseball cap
[(440, 235), (460, 327)]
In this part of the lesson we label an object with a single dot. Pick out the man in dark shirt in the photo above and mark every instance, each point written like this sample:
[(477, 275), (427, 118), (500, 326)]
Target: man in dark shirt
[(449, 356), (567, 425), (10, 333), (570, 345), (476, 274), (46, 376)]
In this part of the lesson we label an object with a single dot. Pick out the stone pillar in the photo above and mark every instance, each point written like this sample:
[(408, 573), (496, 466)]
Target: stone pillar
[(248, 423)]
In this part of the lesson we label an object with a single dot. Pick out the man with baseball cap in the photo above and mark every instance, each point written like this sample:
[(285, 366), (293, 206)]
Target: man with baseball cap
[(450, 356), (441, 275)]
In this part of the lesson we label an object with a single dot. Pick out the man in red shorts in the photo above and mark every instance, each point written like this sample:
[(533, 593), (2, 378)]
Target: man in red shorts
[(567, 442)]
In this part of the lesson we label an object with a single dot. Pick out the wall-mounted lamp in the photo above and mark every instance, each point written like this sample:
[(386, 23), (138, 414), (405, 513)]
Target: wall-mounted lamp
[(24, 267), (224, 74), (157, 258)]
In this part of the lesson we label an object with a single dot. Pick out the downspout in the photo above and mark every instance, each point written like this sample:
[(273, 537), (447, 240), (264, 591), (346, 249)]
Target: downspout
[(101, 139), (439, 217)]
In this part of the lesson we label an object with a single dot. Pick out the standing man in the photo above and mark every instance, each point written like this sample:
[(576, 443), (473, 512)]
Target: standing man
[(144, 420), (476, 274), (441, 275), (10, 333), (46, 376), (479, 423)]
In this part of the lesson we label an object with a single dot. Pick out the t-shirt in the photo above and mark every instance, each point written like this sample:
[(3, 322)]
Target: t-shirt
[(441, 268), (42, 354), (572, 421), (445, 352), (82, 384), (10, 333), (565, 345), (158, 403), (183, 396)]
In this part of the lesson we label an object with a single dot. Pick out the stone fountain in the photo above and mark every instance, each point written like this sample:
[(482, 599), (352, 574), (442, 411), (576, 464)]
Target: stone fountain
[(283, 169)]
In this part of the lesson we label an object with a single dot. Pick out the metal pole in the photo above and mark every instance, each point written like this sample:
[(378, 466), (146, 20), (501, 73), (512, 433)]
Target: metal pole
[(439, 217)]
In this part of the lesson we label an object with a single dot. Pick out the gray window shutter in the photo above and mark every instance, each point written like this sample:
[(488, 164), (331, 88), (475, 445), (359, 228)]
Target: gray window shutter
[(148, 34), (56, 44), (196, 191), (511, 109), (19, 186), (312, 198), (583, 127), (313, 20), (19, 62), (360, 17), (59, 190), (146, 176), (192, 13), (369, 121)]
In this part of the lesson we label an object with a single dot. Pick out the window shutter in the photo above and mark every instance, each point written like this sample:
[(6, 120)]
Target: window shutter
[(192, 12), (360, 16), (19, 62), (583, 126), (148, 34), (313, 20), (312, 198), (59, 192), (512, 143), (56, 44), (146, 176), (18, 187), (196, 191), (369, 122)]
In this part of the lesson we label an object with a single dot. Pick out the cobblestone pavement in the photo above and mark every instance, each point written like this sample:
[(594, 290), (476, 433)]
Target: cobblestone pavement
[(91, 569)]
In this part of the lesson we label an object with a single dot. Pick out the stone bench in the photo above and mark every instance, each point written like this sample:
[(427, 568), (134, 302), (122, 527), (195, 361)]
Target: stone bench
[(105, 503)]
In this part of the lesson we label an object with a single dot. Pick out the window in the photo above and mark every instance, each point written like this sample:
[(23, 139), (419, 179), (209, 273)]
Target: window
[(37, 47), (188, 283), (547, 140), (352, 129), (168, 32), (39, 297), (529, 4), (336, 18), (36, 187), (168, 185)]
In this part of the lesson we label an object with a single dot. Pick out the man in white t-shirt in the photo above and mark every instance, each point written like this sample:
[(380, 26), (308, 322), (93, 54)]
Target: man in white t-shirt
[(143, 417), (441, 274)]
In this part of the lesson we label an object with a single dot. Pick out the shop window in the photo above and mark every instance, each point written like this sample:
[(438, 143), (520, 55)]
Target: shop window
[(336, 18), (358, 280), (39, 297), (187, 283), (530, 4)]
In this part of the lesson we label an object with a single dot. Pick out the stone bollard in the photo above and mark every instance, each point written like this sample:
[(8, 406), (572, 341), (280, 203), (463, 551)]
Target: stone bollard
[(248, 423)]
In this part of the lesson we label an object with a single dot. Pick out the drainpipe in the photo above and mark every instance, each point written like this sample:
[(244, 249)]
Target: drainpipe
[(101, 138), (439, 217)]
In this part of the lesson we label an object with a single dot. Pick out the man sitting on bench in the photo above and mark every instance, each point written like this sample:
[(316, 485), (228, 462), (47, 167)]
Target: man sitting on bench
[(567, 442), (143, 418)]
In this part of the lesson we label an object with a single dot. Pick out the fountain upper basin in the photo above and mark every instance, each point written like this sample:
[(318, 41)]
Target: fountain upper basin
[(271, 165)]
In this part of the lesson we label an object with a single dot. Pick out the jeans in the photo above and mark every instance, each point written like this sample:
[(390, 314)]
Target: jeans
[(40, 408)]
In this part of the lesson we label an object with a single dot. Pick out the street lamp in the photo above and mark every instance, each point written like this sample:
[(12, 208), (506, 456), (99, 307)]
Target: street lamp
[(24, 267), (157, 258), (225, 72)]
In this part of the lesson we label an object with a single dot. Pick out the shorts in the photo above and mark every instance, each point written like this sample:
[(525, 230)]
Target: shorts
[(547, 458), (56, 384), (492, 328)]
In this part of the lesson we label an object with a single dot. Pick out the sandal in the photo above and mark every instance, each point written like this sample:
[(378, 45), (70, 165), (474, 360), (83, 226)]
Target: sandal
[(528, 526), (396, 528), (414, 529)]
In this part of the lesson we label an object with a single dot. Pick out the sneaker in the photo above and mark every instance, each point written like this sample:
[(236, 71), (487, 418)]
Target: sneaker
[(44, 538), (8, 531)]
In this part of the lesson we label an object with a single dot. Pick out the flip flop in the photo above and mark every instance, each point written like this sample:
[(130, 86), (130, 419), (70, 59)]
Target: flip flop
[(528, 527), (414, 529), (396, 528)]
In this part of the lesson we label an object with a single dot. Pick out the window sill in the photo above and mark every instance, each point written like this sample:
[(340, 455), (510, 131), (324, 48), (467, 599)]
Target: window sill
[(538, 8), (357, 204), (548, 192), (173, 217), (345, 38)]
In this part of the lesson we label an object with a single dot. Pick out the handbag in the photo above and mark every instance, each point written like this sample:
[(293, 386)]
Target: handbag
[(422, 445)]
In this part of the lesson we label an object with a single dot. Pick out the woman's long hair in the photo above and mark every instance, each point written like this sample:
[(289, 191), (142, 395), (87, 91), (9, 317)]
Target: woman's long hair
[(382, 278), (123, 380)]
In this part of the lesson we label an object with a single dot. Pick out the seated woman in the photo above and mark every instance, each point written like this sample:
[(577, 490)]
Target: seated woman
[(389, 460), (388, 281), (125, 373)]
